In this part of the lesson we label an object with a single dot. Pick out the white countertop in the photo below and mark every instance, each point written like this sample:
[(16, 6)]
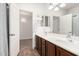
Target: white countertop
[(62, 42)]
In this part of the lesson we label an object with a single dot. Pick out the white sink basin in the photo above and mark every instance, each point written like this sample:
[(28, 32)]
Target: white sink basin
[(63, 39), (67, 41)]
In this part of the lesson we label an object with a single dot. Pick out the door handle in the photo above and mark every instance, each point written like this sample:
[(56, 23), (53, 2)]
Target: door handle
[(11, 34)]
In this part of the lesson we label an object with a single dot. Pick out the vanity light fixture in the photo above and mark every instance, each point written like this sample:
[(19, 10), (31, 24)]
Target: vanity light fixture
[(56, 9), (23, 20), (62, 5), (56, 6), (50, 6)]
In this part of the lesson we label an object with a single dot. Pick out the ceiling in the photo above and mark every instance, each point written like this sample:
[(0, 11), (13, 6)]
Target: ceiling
[(46, 5), (68, 5)]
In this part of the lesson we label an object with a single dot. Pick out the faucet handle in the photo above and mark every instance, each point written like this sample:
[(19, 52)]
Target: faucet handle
[(69, 33)]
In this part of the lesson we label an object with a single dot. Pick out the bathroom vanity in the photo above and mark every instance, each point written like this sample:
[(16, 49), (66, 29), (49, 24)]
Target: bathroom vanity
[(60, 38), (47, 46)]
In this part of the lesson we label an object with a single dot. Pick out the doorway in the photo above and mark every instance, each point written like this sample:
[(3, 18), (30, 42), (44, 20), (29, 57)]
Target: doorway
[(25, 29), (26, 34)]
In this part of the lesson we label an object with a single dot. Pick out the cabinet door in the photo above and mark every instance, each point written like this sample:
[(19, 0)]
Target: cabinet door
[(43, 47), (50, 49), (43, 50), (62, 52), (36, 42), (40, 46)]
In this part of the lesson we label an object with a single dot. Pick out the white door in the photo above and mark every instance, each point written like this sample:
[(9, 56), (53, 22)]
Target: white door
[(14, 30)]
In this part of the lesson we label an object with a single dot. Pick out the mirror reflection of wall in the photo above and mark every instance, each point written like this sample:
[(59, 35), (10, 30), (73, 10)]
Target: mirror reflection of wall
[(75, 18), (75, 25), (66, 24), (62, 24)]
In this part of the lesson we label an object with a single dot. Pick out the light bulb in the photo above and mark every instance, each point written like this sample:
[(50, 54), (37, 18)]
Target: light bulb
[(55, 4), (23, 20), (62, 5), (56, 9), (50, 7)]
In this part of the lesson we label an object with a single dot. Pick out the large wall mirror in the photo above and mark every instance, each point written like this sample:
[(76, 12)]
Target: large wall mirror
[(69, 22), (65, 24)]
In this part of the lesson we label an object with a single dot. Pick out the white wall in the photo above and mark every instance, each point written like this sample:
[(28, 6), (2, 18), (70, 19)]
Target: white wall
[(25, 26)]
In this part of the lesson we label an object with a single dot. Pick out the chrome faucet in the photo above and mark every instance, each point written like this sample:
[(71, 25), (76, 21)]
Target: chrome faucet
[(45, 33), (69, 36)]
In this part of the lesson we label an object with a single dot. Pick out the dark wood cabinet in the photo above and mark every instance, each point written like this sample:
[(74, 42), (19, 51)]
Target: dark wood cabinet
[(43, 47), (62, 52), (46, 48), (39, 44), (50, 49)]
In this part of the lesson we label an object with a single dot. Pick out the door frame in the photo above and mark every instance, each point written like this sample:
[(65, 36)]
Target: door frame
[(31, 19), (7, 18)]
